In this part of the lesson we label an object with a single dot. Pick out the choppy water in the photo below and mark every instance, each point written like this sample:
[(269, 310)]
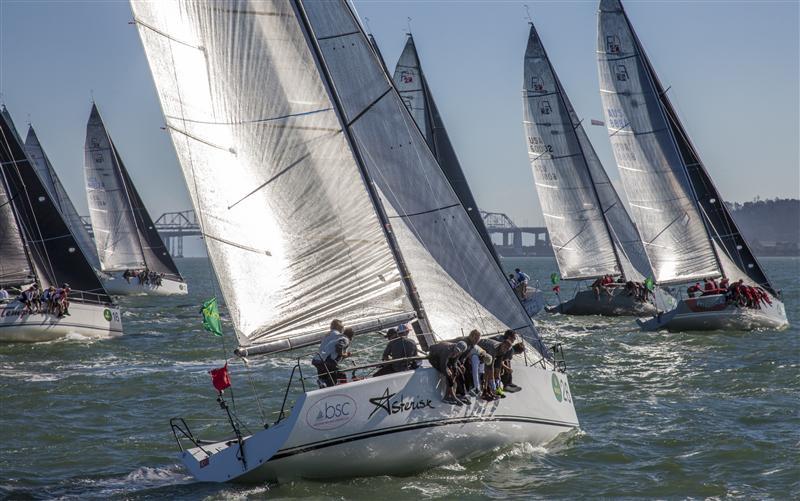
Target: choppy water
[(662, 415)]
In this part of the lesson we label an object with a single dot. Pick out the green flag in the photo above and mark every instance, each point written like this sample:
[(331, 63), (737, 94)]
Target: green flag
[(211, 320), (554, 278), (648, 282)]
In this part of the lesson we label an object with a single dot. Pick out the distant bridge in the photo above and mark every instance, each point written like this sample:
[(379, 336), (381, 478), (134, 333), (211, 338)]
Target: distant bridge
[(174, 226), (511, 236)]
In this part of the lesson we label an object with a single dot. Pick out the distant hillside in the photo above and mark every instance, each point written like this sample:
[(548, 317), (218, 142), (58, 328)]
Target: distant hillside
[(771, 226)]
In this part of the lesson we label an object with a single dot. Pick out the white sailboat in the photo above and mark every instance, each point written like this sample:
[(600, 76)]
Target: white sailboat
[(418, 98), (38, 247), (319, 199), (687, 231), (126, 240), (590, 230)]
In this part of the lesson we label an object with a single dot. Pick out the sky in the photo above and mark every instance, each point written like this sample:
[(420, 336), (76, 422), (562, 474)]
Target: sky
[(733, 68)]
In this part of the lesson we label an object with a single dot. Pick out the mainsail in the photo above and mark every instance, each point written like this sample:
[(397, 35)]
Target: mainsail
[(312, 183), (124, 233), (50, 249), (416, 94), (652, 172), (659, 163), (60, 196)]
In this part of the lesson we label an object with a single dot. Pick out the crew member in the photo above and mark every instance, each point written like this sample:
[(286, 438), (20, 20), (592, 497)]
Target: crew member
[(332, 350), (400, 347)]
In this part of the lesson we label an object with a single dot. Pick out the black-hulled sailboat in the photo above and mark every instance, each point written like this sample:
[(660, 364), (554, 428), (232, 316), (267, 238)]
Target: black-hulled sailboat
[(128, 245), (410, 81), (318, 198), (687, 231), (38, 247), (590, 230)]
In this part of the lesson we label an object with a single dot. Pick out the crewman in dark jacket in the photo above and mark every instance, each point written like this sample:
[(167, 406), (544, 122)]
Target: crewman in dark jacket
[(398, 348)]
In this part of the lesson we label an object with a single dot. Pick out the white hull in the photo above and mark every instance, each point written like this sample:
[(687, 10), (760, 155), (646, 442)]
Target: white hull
[(85, 319), (619, 303), (390, 425), (707, 313), (118, 286)]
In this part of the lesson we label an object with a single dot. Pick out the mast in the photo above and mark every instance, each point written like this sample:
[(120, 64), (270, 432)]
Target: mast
[(411, 290)]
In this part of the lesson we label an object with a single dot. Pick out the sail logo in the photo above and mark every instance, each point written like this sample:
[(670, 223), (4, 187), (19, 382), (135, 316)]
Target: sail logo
[(622, 72), (406, 77), (107, 314), (331, 412), (537, 84), (391, 405), (612, 44), (544, 107)]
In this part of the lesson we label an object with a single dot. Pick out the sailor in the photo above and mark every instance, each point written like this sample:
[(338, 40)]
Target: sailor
[(496, 349), (471, 360), (522, 282), (443, 356), (709, 286), (3, 294), (399, 347), (693, 290), (723, 284), (516, 348), (332, 350), (512, 281)]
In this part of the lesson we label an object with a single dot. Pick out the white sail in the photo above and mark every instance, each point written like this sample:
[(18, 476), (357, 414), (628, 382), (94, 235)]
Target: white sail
[(115, 235), (14, 266), (278, 110), (650, 164), (60, 196), (572, 211)]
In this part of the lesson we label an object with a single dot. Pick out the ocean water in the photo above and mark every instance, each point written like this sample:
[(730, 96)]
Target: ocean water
[(700, 415)]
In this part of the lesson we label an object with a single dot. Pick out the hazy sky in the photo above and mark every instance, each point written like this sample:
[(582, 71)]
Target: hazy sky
[(733, 66)]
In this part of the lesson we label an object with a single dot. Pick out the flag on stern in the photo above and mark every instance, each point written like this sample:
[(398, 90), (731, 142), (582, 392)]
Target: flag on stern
[(211, 321), (219, 378)]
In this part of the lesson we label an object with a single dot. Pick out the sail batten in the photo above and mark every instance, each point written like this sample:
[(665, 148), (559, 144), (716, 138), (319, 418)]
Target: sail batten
[(330, 255)]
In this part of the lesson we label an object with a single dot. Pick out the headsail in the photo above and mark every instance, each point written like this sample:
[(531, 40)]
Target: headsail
[(626, 70), (418, 98), (124, 233), (60, 196), (660, 194), (591, 231), (52, 251), (279, 183)]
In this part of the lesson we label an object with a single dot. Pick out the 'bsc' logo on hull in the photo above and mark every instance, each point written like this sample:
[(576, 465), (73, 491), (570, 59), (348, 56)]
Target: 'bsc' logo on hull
[(331, 412)]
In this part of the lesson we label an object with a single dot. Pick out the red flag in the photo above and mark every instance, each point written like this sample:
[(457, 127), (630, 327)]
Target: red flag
[(219, 378), (557, 289)]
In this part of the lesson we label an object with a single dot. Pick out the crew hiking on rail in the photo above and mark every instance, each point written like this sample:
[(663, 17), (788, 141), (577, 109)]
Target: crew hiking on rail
[(736, 293), (472, 367)]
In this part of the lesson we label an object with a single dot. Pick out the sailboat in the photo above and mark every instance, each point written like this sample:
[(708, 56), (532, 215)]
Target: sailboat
[(38, 247), (319, 199), (418, 98), (60, 197), (590, 230), (687, 230), (128, 245)]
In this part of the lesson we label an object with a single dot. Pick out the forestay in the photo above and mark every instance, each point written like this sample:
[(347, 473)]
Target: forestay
[(52, 251), (256, 96), (654, 177), (60, 196), (416, 94), (125, 235)]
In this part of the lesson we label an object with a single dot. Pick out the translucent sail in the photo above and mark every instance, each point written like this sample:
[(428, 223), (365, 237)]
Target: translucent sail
[(14, 266), (278, 110), (59, 195), (53, 253), (288, 223), (418, 98), (125, 235), (574, 217), (652, 171)]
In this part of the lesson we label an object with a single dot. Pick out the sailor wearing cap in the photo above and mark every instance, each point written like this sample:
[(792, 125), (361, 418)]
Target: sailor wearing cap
[(399, 347)]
